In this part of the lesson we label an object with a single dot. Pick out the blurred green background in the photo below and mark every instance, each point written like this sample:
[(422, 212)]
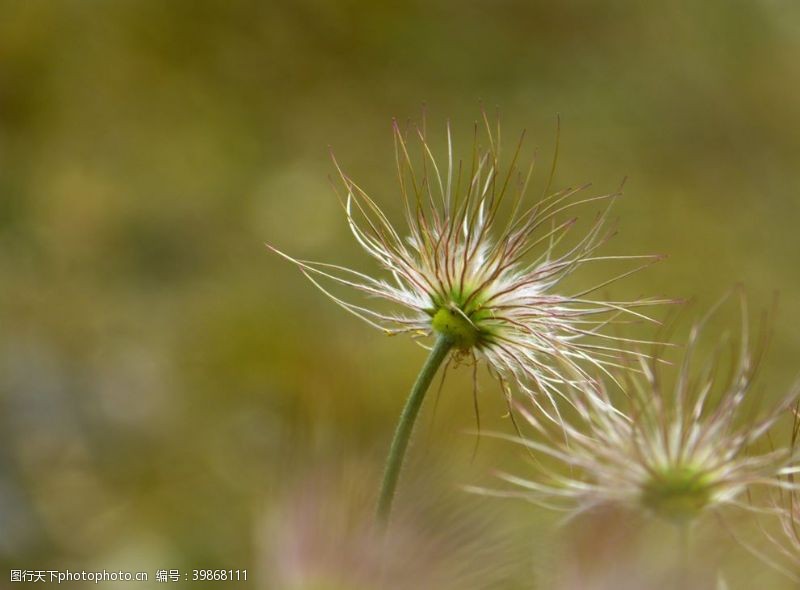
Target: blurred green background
[(172, 395)]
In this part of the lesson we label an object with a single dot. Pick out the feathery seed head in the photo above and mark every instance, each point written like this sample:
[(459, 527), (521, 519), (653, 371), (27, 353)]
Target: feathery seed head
[(674, 452), (480, 265)]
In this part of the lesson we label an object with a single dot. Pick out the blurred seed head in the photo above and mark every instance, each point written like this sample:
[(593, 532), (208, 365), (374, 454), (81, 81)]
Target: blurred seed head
[(483, 265), (320, 534), (673, 451)]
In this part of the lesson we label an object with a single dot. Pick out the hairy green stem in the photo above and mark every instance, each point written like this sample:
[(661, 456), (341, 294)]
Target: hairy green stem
[(405, 425)]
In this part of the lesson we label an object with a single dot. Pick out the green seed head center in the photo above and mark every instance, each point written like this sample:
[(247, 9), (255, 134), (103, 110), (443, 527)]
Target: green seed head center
[(677, 495), (456, 326)]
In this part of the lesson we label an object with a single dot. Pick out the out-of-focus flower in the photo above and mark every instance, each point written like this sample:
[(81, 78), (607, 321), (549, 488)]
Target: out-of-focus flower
[(320, 534), (672, 451), (482, 266)]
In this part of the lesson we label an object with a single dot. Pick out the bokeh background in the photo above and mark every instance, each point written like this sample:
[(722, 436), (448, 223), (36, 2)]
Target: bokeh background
[(173, 396)]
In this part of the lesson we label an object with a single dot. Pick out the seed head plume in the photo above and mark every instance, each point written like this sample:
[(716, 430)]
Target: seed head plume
[(675, 451), (484, 265)]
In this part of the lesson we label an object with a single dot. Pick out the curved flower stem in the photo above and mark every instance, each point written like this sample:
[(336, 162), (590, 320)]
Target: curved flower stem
[(405, 425)]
